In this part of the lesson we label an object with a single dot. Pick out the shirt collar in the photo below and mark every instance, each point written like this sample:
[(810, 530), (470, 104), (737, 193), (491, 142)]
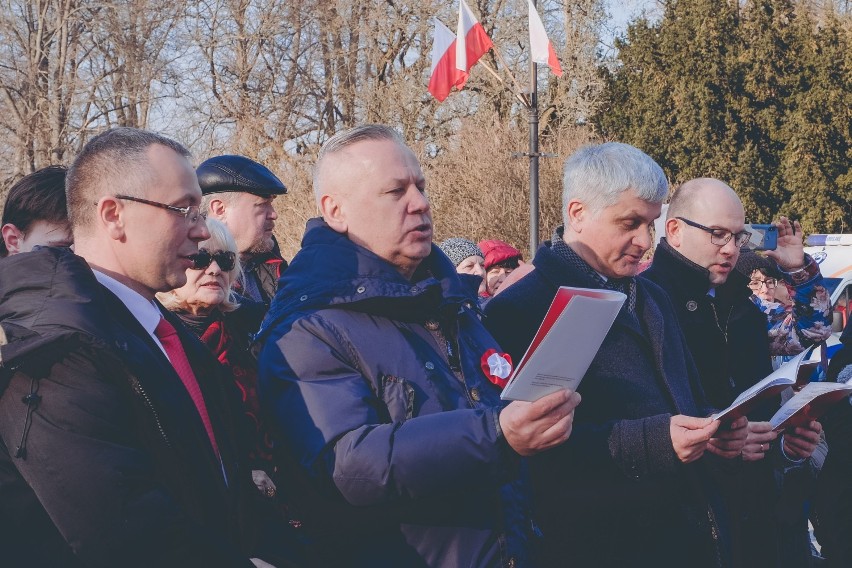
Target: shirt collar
[(146, 311)]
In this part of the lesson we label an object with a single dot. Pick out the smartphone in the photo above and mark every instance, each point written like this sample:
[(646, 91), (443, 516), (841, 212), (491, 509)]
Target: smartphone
[(763, 237)]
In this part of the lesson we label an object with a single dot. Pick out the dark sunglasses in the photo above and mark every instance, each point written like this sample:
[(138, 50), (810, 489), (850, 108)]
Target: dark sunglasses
[(204, 258)]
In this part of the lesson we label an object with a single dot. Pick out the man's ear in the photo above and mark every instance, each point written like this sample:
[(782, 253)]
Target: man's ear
[(12, 236), (332, 213), (577, 214), (674, 232), (110, 215), (217, 208)]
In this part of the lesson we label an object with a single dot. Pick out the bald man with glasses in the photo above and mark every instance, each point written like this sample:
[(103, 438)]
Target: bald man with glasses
[(727, 336)]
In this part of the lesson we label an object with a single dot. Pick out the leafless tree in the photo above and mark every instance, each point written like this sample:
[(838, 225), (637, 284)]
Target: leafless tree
[(42, 45), (273, 79), (132, 68)]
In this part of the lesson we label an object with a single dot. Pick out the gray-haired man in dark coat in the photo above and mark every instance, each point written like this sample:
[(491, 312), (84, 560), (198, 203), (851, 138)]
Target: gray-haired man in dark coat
[(630, 487)]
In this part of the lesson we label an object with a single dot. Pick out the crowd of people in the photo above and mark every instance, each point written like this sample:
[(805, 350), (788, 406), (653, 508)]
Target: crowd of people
[(174, 393)]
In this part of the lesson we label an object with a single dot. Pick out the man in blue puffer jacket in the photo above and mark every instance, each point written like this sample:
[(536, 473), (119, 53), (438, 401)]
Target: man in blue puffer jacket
[(380, 379)]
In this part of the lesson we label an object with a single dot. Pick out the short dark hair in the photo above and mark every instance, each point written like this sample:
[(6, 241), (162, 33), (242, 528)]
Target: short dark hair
[(510, 263), (39, 196), (113, 160)]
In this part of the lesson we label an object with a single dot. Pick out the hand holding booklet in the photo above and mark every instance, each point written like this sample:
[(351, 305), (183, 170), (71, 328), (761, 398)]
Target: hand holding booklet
[(784, 377), (565, 344), (809, 404)]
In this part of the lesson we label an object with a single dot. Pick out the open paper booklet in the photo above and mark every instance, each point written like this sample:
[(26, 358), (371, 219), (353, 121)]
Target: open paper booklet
[(809, 404), (565, 344), (786, 376)]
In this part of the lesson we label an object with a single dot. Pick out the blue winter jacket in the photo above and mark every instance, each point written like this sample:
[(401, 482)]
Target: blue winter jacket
[(375, 386)]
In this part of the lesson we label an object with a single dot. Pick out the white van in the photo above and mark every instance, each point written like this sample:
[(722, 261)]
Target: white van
[(834, 255)]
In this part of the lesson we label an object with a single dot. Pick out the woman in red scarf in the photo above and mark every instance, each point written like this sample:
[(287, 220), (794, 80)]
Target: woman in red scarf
[(225, 323)]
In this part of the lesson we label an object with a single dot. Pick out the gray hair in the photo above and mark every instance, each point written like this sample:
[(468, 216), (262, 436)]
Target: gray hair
[(220, 239), (114, 161), (346, 138), (597, 175)]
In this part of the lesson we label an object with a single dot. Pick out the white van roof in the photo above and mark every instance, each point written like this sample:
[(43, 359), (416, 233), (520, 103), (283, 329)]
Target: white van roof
[(826, 240), (832, 252)]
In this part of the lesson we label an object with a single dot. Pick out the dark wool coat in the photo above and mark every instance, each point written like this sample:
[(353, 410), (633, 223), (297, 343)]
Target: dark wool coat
[(615, 494), (730, 346), (375, 385), (115, 465), (832, 504)]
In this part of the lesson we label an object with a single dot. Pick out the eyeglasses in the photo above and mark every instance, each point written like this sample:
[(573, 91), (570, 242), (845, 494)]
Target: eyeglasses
[(721, 237), (191, 213), (204, 258), (756, 283)]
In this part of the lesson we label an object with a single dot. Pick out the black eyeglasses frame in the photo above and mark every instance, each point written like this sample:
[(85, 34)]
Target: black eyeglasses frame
[(741, 239), (770, 283)]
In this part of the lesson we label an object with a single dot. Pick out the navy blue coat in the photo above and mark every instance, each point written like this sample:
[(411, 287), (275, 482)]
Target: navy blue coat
[(375, 387), (615, 494)]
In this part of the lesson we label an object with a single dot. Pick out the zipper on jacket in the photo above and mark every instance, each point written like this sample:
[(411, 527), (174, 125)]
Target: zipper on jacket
[(435, 327), (452, 349), (453, 355), (141, 391), (31, 400), (714, 533)]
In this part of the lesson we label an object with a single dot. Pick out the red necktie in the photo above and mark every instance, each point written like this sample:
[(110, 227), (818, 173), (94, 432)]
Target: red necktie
[(168, 336)]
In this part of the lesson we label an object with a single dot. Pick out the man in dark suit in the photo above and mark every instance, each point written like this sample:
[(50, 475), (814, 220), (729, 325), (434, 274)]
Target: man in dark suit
[(118, 439), (630, 487)]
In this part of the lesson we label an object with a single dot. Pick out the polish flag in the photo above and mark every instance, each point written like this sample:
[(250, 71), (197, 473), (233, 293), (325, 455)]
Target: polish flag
[(541, 49), (444, 75), (472, 42)]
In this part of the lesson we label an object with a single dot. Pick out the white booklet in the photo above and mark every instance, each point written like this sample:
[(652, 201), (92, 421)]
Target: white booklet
[(809, 404), (778, 381), (565, 344)]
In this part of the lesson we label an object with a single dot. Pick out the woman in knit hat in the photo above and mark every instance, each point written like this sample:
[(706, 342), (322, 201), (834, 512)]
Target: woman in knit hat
[(467, 258)]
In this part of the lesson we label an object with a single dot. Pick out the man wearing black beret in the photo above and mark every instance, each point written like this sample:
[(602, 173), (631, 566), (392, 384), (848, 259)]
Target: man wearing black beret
[(239, 192)]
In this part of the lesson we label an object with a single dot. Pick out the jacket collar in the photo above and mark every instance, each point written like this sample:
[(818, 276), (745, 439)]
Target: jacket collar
[(260, 258), (687, 278), (558, 271), (47, 295), (684, 274), (332, 271)]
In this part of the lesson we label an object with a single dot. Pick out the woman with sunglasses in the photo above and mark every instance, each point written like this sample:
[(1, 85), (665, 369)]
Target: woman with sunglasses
[(225, 322)]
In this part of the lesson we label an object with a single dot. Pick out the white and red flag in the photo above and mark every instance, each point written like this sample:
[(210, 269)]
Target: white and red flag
[(541, 48), (444, 75), (472, 42)]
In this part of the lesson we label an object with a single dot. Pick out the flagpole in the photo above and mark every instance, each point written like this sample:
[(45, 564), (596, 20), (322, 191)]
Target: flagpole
[(533, 153)]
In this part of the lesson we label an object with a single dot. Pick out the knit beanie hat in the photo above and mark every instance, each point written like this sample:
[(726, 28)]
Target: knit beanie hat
[(750, 261), (458, 249), (497, 252)]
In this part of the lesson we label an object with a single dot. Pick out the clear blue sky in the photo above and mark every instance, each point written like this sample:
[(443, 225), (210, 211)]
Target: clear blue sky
[(621, 12)]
